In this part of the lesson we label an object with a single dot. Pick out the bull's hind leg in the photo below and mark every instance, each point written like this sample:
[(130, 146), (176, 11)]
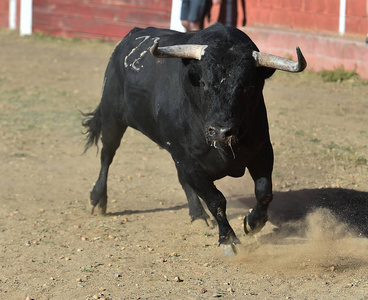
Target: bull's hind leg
[(111, 137), (196, 210)]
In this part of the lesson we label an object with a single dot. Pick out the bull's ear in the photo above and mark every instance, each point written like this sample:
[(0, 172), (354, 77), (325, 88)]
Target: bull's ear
[(186, 61), (192, 71), (194, 77)]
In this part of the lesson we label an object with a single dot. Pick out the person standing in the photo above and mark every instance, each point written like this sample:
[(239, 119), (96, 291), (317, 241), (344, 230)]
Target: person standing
[(193, 13)]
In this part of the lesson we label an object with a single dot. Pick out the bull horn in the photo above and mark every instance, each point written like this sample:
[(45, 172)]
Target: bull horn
[(280, 63), (178, 51)]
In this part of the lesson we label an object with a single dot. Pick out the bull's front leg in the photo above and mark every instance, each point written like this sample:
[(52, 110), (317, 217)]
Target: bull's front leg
[(257, 218), (216, 203), (261, 171), (227, 237)]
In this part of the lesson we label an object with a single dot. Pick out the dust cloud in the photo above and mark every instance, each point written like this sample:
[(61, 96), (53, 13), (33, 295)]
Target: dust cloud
[(318, 243)]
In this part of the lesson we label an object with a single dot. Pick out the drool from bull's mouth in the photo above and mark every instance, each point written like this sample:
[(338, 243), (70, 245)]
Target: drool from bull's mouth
[(228, 142), (170, 101)]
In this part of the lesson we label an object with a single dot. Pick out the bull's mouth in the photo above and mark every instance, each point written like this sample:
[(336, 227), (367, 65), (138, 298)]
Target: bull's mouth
[(222, 144)]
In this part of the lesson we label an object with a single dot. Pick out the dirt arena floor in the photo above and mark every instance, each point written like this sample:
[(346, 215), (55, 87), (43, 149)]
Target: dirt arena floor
[(314, 247)]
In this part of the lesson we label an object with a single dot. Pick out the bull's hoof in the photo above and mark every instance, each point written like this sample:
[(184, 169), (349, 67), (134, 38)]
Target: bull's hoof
[(229, 249), (253, 228), (101, 210), (229, 244)]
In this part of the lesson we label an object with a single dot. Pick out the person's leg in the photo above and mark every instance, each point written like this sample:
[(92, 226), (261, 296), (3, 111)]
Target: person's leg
[(196, 14), (185, 23), (185, 7), (195, 26)]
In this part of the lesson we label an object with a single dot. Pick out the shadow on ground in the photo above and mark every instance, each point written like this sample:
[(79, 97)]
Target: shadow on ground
[(144, 211), (348, 206)]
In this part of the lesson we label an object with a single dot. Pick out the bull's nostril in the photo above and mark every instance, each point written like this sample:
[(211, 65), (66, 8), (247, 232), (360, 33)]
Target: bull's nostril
[(212, 131), (220, 134), (226, 132)]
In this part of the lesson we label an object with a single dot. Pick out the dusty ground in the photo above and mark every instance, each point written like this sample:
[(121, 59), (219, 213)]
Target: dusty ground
[(315, 246)]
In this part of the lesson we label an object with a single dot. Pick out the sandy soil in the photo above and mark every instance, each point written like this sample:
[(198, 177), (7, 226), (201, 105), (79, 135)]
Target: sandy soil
[(314, 247)]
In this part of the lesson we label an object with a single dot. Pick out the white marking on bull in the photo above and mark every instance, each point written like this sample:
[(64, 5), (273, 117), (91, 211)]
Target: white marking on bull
[(137, 61), (135, 64), (145, 38)]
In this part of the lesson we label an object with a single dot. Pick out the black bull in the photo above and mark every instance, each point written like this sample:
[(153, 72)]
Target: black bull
[(199, 96)]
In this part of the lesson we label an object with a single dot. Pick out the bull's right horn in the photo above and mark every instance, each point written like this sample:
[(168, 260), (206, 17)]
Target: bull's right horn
[(178, 51), (280, 63)]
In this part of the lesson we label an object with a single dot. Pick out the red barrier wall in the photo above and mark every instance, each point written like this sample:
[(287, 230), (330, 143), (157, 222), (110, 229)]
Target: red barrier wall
[(356, 17), (299, 14), (311, 15), (4, 16), (111, 19), (104, 19)]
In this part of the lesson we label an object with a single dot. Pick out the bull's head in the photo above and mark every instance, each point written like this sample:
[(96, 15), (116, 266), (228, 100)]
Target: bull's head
[(229, 75)]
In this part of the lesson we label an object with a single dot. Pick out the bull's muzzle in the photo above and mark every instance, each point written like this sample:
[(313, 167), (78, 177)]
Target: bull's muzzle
[(218, 136)]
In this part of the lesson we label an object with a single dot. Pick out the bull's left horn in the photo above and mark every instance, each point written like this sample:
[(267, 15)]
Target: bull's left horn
[(178, 51), (280, 63)]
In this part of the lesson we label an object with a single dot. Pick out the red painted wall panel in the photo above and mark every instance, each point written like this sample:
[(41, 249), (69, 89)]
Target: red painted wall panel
[(102, 13), (298, 14), (316, 15), (4, 16), (356, 8), (105, 19), (356, 17)]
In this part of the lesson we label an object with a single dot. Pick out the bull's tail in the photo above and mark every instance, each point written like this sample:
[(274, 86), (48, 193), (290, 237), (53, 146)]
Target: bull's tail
[(92, 122)]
